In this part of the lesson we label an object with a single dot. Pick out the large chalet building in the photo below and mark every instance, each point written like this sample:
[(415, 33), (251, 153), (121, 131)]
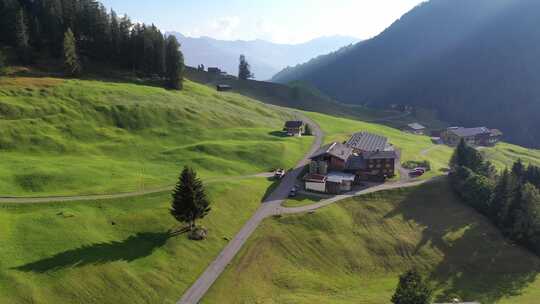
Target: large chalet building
[(481, 136), (337, 166)]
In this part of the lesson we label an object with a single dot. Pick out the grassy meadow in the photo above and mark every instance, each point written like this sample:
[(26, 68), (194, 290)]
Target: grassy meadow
[(65, 137), (354, 252), (114, 251)]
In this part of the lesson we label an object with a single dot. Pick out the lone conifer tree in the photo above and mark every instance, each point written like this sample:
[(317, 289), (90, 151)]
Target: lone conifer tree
[(189, 200), (174, 61), (244, 70), (71, 59), (412, 289)]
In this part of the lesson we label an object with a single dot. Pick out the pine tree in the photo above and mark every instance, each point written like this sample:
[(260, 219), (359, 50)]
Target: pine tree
[(412, 289), (174, 60), (467, 156), (244, 69), (71, 59), (502, 198), (21, 32), (189, 200), (526, 215), (518, 170), (307, 130)]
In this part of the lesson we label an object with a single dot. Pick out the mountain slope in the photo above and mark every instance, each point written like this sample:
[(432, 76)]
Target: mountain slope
[(474, 61), (354, 252), (266, 58), (62, 137)]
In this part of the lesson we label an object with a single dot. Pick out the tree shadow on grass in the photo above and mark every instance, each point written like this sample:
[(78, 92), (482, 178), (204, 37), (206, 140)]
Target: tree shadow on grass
[(278, 134), (135, 247), (477, 262)]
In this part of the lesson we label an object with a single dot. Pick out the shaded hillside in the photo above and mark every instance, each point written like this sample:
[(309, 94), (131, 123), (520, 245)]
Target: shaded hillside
[(475, 61), (296, 95), (266, 58), (354, 252)]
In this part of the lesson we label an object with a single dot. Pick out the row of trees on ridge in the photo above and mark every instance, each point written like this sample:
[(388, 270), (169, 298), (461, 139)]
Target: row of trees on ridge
[(80, 31), (510, 200)]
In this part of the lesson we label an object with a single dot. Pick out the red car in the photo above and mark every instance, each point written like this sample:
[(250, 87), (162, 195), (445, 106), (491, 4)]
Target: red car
[(416, 173)]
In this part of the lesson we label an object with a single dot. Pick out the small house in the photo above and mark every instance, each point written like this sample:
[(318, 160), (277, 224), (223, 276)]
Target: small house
[(480, 136), (213, 70), (294, 128), (415, 128), (223, 87)]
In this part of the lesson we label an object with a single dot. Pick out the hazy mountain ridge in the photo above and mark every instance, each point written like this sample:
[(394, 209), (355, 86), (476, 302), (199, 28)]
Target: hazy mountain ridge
[(266, 58), (475, 61)]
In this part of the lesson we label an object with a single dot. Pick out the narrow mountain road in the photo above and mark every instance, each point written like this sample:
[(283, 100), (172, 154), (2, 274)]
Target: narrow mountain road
[(337, 198), (271, 206), (426, 151), (77, 198)]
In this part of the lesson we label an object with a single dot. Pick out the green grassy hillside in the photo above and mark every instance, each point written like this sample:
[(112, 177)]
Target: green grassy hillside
[(60, 137), (353, 252), (114, 251)]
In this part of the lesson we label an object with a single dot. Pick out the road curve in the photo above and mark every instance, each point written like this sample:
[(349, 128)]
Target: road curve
[(271, 206), (337, 198)]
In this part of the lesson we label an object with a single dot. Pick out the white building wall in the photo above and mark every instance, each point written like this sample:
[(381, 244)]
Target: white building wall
[(319, 187)]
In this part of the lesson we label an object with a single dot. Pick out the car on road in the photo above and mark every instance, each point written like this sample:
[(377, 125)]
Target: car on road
[(416, 173), (293, 192), (279, 173), (420, 169)]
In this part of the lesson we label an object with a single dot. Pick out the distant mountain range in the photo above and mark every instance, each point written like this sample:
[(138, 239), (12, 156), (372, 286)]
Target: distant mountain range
[(477, 62), (266, 58)]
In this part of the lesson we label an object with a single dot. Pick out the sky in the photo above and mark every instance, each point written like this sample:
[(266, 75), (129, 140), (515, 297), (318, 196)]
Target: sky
[(280, 21)]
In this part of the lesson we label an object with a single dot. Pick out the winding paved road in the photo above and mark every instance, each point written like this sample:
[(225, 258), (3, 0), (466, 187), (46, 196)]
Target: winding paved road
[(271, 206)]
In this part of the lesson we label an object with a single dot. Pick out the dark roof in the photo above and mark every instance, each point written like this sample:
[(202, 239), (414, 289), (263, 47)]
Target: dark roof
[(318, 178), (467, 132), (416, 126), (294, 124), (367, 142), (380, 155), (224, 86), (496, 132), (336, 149)]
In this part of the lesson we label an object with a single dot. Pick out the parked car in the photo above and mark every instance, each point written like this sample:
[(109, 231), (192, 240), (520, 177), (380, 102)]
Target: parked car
[(293, 192), (419, 169), (416, 173), (279, 173)]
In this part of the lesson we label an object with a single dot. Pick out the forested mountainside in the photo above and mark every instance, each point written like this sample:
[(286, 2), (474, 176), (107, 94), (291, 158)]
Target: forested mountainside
[(35, 30), (474, 61)]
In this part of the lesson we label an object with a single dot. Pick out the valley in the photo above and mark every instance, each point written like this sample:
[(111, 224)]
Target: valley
[(141, 165)]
